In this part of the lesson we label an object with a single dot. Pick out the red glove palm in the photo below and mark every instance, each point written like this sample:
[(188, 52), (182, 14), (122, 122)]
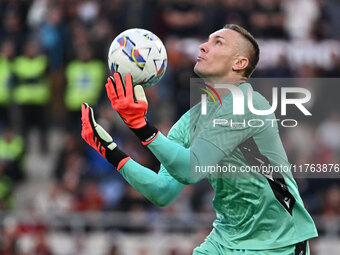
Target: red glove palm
[(99, 139), (122, 99), (93, 133)]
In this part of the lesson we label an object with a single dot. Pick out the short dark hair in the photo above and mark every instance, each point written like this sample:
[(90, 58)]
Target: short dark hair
[(255, 53)]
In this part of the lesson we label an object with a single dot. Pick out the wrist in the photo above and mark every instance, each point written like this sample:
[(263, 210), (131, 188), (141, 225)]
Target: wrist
[(116, 157), (146, 133), (138, 124)]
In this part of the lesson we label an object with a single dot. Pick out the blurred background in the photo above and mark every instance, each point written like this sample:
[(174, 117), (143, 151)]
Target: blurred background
[(58, 196)]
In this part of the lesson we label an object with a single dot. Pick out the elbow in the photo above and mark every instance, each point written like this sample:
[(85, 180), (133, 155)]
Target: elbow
[(187, 181), (162, 201), (164, 195)]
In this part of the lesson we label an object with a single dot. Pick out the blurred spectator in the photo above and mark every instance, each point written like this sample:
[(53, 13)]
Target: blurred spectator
[(42, 247), (31, 92), (11, 154), (6, 188), (75, 166), (125, 14), (88, 11), (281, 70), (182, 85), (136, 12), (133, 199), (182, 17), (7, 52), (90, 198), (31, 235), (300, 26), (13, 27), (114, 250), (135, 203), (267, 20), (85, 82), (80, 245), (101, 36), (55, 41), (114, 10), (9, 235), (332, 202), (54, 37), (321, 26), (54, 201), (238, 12), (334, 72), (332, 8), (80, 37), (72, 148), (329, 132), (71, 183), (71, 167), (37, 13)]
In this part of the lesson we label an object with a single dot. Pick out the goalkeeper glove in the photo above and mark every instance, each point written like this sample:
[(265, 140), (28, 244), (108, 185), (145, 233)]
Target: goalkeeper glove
[(99, 139), (132, 106), (122, 99)]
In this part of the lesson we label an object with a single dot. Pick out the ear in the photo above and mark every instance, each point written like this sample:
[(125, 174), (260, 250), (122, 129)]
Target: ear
[(240, 64)]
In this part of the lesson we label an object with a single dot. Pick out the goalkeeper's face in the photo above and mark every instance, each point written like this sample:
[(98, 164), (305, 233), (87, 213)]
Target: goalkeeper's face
[(220, 55)]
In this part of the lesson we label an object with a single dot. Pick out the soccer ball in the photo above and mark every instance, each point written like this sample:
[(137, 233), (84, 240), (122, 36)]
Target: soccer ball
[(140, 53)]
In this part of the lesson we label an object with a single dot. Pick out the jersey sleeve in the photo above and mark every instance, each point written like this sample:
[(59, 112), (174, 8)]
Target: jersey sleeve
[(178, 158), (160, 188)]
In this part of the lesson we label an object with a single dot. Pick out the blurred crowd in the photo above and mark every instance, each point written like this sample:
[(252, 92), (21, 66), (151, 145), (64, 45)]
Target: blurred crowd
[(53, 57)]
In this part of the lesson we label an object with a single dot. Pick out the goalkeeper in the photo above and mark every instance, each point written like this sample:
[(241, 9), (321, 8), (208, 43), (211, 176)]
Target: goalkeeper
[(262, 215)]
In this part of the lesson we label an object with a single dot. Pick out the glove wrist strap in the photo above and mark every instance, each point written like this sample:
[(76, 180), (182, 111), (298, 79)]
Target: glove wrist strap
[(146, 134), (116, 157)]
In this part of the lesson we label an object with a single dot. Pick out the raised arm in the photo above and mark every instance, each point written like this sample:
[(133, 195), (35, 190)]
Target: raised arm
[(175, 157), (159, 188)]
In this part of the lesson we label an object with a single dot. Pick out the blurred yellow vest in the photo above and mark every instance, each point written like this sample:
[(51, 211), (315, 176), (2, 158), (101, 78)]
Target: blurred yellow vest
[(32, 86), (85, 81), (11, 150)]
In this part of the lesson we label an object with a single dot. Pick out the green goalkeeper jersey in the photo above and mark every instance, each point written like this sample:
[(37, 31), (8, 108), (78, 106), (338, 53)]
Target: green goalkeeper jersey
[(254, 210)]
